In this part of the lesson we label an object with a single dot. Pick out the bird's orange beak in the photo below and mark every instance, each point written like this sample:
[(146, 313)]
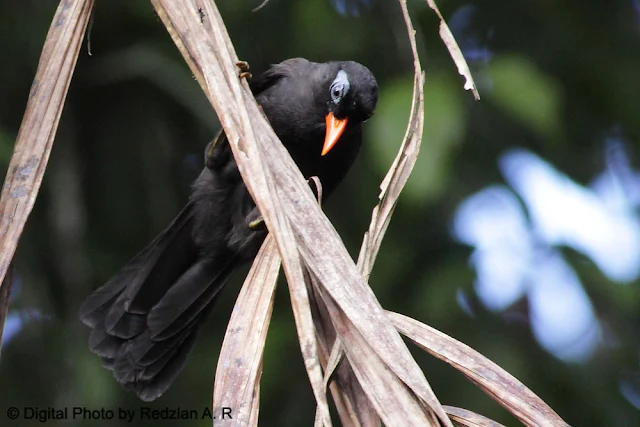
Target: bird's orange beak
[(335, 127)]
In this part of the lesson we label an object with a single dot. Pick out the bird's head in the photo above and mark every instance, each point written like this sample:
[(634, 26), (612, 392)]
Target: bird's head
[(301, 99), (351, 97)]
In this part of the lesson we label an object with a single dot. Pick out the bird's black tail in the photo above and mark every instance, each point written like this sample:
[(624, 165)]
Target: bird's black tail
[(144, 319)]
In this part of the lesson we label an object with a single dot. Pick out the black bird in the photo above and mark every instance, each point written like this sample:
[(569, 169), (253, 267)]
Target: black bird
[(144, 319)]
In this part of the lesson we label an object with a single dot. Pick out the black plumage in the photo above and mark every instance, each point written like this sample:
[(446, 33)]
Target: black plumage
[(144, 319)]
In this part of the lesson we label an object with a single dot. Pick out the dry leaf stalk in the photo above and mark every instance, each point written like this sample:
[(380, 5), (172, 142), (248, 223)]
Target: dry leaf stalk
[(243, 345), (466, 418), (455, 52), (303, 234), (495, 381), (38, 128)]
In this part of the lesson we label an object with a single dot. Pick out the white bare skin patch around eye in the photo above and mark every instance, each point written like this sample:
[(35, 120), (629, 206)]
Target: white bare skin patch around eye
[(339, 87)]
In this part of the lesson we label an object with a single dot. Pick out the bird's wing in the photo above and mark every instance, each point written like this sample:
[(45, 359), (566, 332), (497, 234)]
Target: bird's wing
[(140, 284), (267, 79), (145, 318), (273, 75), (216, 155)]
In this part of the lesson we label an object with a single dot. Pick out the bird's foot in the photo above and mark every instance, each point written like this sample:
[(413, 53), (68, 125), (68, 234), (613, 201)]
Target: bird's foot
[(258, 224), (316, 188), (212, 157), (243, 66), (256, 221)]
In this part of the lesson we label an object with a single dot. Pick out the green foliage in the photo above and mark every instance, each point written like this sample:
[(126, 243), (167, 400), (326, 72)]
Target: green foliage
[(443, 130), (526, 94)]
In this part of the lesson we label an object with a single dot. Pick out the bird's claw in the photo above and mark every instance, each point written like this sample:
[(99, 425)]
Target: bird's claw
[(212, 157), (257, 224), (255, 221), (318, 188), (243, 66)]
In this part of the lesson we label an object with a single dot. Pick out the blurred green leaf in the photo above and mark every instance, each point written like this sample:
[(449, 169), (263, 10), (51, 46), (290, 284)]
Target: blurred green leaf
[(525, 93), (443, 131), (346, 37)]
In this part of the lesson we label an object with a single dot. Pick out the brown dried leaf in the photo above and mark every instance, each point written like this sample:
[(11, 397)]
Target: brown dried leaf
[(390, 190), (466, 418), (402, 166), (495, 381), (455, 52), (307, 334), (39, 125), (291, 212), (5, 293), (388, 394), (208, 50), (237, 380), (351, 402), (328, 260)]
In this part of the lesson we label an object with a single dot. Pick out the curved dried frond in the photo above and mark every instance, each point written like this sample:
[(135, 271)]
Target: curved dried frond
[(38, 129)]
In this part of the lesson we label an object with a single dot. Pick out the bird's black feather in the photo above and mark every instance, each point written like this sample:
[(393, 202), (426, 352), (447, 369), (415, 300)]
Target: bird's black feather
[(145, 318)]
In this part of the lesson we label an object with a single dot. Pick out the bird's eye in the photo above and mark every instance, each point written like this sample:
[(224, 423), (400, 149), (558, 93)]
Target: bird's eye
[(339, 87), (336, 92)]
